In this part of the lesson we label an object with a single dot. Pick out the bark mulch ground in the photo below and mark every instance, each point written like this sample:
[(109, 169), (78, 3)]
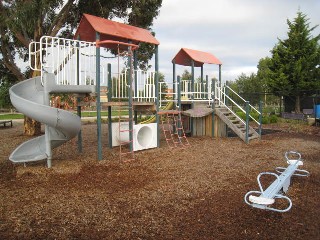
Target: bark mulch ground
[(192, 193)]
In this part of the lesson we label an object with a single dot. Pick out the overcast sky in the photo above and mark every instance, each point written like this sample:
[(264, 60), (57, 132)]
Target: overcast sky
[(238, 32)]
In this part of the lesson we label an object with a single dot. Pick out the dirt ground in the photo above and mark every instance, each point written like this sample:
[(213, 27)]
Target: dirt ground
[(192, 193)]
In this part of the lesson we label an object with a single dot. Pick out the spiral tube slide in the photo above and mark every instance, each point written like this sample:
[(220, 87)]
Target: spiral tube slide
[(31, 98)]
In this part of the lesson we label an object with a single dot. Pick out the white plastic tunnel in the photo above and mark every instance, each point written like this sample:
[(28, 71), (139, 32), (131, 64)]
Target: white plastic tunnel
[(144, 135)]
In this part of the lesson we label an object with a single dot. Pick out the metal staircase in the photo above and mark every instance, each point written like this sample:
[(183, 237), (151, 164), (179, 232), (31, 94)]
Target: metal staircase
[(224, 110), (236, 124)]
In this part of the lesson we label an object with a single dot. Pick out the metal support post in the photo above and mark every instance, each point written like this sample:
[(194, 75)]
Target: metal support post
[(98, 103), (247, 121), (174, 97), (46, 101), (260, 119), (157, 92), (207, 88), (192, 95), (109, 107), (135, 67), (213, 90), (78, 99), (130, 101)]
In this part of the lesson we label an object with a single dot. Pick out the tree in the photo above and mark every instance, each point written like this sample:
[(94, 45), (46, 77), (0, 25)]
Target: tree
[(263, 75), (249, 87), (7, 79), (186, 75), (163, 86), (295, 61), (23, 21)]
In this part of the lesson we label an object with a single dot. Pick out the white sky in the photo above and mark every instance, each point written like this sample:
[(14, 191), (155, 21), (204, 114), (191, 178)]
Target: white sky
[(238, 32)]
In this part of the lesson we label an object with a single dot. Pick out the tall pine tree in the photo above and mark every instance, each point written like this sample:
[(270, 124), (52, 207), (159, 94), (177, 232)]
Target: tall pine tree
[(295, 61)]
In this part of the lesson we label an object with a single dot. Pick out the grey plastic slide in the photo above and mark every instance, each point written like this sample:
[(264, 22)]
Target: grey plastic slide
[(31, 98)]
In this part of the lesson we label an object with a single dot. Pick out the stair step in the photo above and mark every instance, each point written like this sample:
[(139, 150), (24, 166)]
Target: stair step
[(235, 121)]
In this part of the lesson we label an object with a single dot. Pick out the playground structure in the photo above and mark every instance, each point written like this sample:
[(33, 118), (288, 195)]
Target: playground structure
[(77, 66), (279, 187)]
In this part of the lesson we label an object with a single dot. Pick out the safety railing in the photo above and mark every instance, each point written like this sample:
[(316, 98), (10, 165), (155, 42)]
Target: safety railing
[(200, 91), (223, 96), (167, 93), (143, 85), (72, 62)]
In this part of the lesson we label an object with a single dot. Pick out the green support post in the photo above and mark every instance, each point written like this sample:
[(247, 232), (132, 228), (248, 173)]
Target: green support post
[(130, 101), (247, 121), (213, 90), (179, 101), (78, 100), (157, 92), (219, 83), (135, 67), (207, 88), (260, 119), (174, 97), (192, 95), (109, 107), (201, 77), (98, 103), (179, 92)]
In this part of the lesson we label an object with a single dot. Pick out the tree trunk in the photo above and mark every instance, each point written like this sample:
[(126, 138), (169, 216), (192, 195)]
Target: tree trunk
[(297, 106), (31, 127)]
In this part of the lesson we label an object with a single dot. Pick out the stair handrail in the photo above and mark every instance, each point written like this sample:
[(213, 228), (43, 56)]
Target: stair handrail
[(226, 96), (34, 54), (243, 99), (244, 111)]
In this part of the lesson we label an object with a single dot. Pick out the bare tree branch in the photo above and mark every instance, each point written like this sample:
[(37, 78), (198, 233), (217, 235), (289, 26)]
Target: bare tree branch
[(60, 19)]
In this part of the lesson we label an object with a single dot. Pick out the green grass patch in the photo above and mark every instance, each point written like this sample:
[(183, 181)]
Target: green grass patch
[(10, 116)]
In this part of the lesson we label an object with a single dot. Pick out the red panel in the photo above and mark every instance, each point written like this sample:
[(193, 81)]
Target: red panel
[(110, 30), (185, 56)]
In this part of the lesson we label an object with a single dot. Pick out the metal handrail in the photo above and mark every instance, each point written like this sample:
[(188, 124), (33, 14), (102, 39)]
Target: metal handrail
[(252, 107), (219, 90), (224, 95)]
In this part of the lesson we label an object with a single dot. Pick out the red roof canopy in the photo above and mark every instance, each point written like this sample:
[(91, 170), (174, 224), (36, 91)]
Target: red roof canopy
[(110, 30), (185, 55)]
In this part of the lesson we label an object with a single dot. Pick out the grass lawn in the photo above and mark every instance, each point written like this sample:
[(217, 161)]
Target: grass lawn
[(83, 114)]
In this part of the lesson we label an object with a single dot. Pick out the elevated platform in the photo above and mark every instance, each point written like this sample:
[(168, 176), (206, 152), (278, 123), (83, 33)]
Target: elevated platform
[(161, 112), (137, 106)]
